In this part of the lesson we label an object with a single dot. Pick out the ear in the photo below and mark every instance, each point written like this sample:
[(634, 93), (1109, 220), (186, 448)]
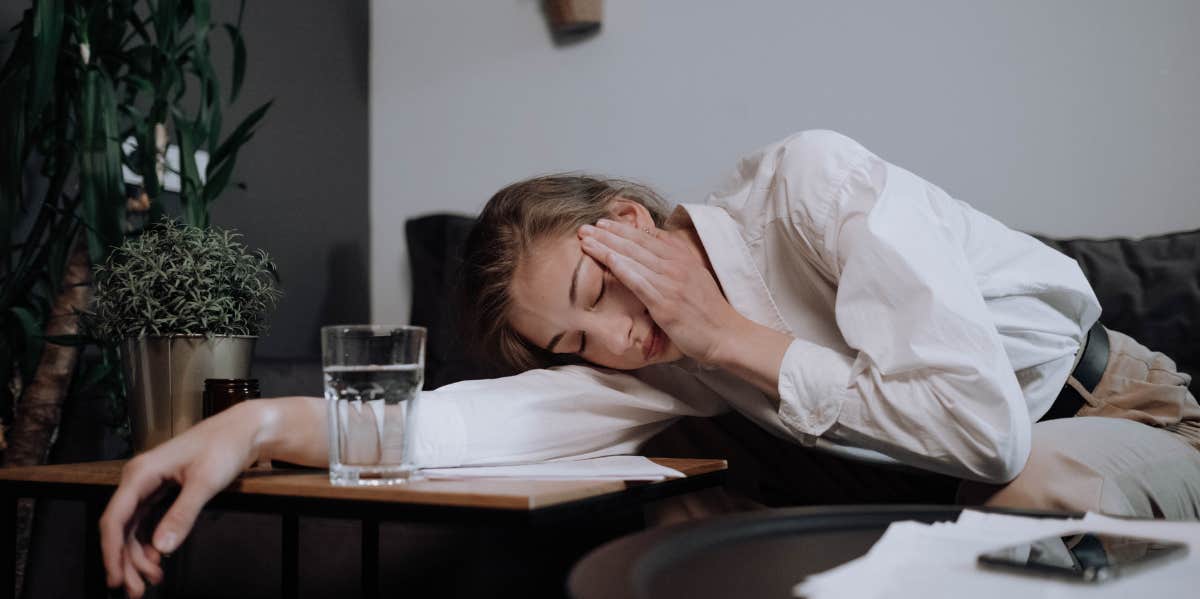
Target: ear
[(631, 213)]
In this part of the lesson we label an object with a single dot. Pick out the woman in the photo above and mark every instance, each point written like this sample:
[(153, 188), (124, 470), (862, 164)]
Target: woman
[(822, 292)]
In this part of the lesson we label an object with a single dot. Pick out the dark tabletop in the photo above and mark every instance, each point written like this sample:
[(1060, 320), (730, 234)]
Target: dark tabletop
[(756, 554)]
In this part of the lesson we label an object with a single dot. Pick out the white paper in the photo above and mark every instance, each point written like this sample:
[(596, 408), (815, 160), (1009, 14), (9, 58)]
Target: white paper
[(914, 559), (621, 467)]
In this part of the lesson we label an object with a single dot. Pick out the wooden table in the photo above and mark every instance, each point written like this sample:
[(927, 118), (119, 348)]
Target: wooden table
[(292, 493)]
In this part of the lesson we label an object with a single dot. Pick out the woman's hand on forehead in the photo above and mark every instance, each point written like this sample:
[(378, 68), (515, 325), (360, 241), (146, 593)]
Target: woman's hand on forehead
[(671, 280)]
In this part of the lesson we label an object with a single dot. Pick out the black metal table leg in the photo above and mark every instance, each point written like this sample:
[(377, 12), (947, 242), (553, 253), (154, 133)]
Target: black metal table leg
[(93, 563), (370, 558), (8, 545), (290, 566)]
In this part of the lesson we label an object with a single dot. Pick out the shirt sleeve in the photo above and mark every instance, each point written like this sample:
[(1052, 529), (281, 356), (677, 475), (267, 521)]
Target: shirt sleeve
[(930, 384), (564, 412)]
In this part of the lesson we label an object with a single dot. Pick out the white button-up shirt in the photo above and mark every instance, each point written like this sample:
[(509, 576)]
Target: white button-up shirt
[(923, 329)]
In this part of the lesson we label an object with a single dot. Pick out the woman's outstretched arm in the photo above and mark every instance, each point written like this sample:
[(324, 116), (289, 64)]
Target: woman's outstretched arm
[(568, 412), (202, 461)]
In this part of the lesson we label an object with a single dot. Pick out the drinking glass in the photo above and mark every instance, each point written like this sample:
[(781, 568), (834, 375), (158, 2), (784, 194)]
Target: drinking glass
[(373, 377)]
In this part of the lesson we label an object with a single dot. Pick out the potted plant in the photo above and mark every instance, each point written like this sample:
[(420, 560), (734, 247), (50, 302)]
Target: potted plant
[(92, 95), (183, 304)]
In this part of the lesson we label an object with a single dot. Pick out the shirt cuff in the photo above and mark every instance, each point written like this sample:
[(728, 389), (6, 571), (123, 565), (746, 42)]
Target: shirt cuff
[(814, 382), (439, 432)]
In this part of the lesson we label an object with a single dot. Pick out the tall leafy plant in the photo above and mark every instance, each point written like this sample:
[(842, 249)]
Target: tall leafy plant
[(82, 78)]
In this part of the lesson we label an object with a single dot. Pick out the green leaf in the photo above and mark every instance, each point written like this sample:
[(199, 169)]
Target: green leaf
[(47, 31), (12, 142), (218, 180), (239, 58), (6, 396), (202, 22), (240, 135), (139, 27), (193, 204), (69, 340), (94, 376), (30, 330), (101, 181), (166, 22)]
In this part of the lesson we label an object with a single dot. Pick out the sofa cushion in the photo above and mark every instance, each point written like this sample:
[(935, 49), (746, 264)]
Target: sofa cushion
[(435, 247), (1148, 288)]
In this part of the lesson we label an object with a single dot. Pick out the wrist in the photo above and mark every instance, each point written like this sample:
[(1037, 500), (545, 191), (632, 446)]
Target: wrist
[(262, 416), (753, 352), (732, 342)]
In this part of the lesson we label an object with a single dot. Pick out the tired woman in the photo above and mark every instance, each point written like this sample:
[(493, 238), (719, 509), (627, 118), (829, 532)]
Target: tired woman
[(822, 293)]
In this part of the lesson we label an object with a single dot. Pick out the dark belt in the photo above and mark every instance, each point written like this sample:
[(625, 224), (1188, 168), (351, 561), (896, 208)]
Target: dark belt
[(1088, 372)]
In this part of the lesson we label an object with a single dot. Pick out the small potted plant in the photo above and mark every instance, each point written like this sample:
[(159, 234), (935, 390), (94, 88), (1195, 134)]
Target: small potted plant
[(183, 304)]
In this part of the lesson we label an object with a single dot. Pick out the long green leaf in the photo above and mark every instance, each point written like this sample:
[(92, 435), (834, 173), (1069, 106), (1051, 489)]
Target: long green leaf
[(47, 30), (101, 181), (6, 359), (201, 22), (166, 22), (239, 60), (193, 204), (221, 164), (240, 134), (68, 340), (12, 142), (30, 329), (218, 180), (147, 161), (139, 28)]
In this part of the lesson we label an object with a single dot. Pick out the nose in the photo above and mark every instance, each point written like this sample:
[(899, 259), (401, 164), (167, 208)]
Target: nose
[(614, 333)]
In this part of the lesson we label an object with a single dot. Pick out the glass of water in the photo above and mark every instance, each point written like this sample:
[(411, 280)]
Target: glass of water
[(373, 376)]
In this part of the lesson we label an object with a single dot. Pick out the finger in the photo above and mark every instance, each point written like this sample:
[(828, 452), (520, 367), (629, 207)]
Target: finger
[(134, 587), (142, 562), (626, 247), (178, 521), (634, 276), (647, 238), (118, 515)]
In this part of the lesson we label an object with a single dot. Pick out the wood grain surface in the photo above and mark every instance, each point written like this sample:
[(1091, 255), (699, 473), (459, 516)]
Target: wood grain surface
[(484, 493)]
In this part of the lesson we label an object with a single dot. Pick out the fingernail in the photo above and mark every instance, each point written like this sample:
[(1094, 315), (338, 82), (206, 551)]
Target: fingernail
[(587, 229), (165, 543), (603, 223)]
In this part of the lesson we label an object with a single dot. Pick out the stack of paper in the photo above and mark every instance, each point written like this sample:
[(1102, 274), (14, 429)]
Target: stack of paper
[(913, 559), (620, 467)]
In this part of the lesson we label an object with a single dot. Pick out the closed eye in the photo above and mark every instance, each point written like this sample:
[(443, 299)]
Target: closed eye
[(603, 287)]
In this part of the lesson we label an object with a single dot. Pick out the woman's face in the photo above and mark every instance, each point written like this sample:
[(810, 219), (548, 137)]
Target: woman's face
[(568, 303)]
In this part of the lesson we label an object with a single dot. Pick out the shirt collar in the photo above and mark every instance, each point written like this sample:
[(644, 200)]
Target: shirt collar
[(732, 261)]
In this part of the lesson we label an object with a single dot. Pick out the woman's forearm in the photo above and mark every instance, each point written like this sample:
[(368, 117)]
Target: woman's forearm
[(292, 429), (754, 353)]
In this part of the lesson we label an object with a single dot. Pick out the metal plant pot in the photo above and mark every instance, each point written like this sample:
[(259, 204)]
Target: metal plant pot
[(164, 380)]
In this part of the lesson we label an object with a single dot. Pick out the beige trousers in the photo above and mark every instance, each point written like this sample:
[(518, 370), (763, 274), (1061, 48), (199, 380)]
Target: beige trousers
[(1133, 450)]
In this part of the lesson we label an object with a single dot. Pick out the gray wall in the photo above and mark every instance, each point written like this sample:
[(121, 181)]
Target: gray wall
[(1070, 117), (306, 169)]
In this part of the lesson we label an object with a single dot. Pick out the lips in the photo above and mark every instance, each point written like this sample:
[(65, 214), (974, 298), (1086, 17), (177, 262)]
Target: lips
[(654, 344)]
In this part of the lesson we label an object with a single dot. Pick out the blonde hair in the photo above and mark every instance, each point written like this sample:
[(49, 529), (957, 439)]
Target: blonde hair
[(513, 220)]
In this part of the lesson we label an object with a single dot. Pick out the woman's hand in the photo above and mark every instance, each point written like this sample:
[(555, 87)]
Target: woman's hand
[(202, 461), (672, 280)]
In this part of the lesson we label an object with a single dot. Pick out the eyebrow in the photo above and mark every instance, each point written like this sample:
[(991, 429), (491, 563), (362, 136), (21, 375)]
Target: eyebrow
[(571, 296)]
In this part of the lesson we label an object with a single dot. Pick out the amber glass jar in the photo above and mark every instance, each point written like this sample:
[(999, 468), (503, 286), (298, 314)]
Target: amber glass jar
[(220, 394)]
